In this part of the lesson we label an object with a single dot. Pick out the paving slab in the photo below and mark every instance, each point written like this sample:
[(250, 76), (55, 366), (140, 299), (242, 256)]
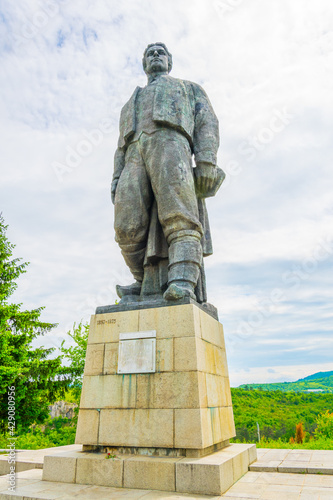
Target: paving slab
[(294, 461), (254, 485)]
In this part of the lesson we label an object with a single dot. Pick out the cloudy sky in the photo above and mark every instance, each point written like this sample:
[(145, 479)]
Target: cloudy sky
[(67, 68)]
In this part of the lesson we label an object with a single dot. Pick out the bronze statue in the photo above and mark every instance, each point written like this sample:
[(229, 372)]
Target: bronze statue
[(161, 221)]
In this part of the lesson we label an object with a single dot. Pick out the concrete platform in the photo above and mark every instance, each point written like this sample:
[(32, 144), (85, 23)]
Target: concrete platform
[(254, 485)]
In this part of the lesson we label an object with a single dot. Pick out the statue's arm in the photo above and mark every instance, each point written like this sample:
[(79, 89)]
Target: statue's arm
[(206, 138), (119, 163), (205, 142)]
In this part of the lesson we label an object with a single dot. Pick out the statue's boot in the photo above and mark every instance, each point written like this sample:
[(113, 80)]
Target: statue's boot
[(178, 290), (185, 258), (133, 289), (134, 261)]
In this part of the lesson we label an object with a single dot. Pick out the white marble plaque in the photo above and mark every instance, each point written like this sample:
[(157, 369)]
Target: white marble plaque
[(137, 352)]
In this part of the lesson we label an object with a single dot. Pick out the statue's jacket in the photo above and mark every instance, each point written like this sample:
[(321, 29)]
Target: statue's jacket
[(184, 106)]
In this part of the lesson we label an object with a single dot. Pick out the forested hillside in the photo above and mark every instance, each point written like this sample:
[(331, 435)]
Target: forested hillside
[(318, 382), (277, 412)]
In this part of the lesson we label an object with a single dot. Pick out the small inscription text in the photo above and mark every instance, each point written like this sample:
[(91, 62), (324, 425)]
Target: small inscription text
[(106, 321)]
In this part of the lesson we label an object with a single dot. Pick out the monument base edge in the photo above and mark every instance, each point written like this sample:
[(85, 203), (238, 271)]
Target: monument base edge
[(213, 474)]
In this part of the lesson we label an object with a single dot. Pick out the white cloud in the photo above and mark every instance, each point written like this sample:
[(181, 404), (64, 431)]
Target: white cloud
[(78, 67)]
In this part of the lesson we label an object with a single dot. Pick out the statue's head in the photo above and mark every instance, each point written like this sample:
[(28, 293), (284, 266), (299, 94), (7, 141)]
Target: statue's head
[(156, 58)]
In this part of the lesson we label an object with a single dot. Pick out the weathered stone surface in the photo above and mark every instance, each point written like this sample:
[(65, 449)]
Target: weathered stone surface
[(94, 359), (173, 321), (194, 353), (188, 429), (169, 390), (203, 427), (227, 423), (164, 355), (211, 330), (204, 477), (106, 327), (109, 391), (240, 464), (218, 390), (137, 427), (87, 427), (61, 467), (111, 358), (153, 473), (215, 473), (96, 469)]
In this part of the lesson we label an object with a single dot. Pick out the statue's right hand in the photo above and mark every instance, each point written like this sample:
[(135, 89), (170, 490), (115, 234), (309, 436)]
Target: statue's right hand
[(113, 189)]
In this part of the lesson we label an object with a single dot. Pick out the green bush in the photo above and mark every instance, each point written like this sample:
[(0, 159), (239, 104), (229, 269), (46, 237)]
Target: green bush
[(324, 425), (54, 432)]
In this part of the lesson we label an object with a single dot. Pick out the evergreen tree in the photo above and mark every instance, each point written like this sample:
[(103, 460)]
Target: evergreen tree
[(75, 356), (36, 378)]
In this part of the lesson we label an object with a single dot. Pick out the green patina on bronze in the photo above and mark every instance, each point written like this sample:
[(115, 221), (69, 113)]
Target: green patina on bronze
[(161, 221)]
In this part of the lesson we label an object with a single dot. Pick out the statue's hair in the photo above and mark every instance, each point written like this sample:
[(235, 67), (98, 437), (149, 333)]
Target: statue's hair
[(166, 50)]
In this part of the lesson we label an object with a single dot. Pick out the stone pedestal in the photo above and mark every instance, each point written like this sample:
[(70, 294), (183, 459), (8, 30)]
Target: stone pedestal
[(156, 395), (182, 408)]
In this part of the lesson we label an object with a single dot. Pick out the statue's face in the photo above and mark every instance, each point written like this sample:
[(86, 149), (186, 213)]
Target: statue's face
[(156, 59)]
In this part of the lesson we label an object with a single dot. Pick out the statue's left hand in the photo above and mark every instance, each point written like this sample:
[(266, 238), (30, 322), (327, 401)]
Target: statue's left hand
[(205, 175)]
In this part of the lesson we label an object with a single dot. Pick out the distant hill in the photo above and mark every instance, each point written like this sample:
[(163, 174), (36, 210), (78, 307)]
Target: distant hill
[(316, 375), (321, 382)]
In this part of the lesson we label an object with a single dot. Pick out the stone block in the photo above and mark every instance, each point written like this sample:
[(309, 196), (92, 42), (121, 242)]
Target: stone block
[(107, 327), (171, 390), (164, 355), (96, 469), (214, 422), (211, 358), (203, 427), (150, 473), (94, 359), (186, 353), (227, 423), (173, 321), (252, 454), (61, 467), (217, 425), (194, 353), (218, 390), (211, 330), (109, 391), (111, 358), (205, 476), (137, 427), (189, 425), (87, 427), (240, 464)]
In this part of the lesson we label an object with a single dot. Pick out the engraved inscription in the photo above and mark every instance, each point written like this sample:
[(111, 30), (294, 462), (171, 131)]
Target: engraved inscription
[(106, 322)]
